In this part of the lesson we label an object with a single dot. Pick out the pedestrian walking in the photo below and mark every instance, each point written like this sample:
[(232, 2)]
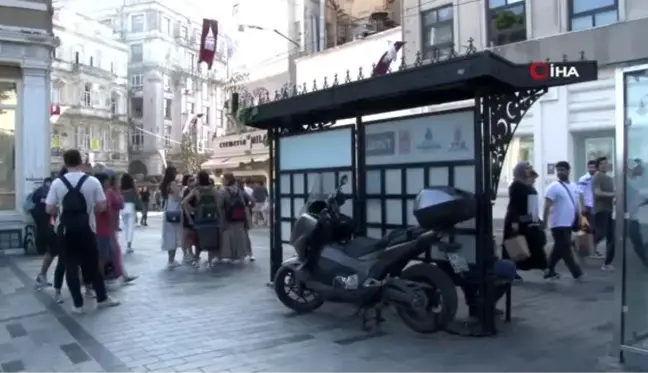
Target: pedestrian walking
[(145, 197), (76, 195), (603, 191), (172, 225), (562, 211), (587, 198), (132, 204), (233, 203)]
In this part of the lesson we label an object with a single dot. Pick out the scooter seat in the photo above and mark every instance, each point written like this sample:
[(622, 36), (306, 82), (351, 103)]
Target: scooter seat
[(361, 246)]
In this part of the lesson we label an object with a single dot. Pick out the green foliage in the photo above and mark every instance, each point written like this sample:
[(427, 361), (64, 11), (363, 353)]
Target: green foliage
[(190, 159), (245, 116)]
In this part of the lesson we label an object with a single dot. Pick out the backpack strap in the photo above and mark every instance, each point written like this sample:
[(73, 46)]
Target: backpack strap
[(67, 184)]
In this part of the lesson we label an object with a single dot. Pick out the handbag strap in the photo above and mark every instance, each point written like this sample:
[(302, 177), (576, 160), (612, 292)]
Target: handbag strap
[(569, 194)]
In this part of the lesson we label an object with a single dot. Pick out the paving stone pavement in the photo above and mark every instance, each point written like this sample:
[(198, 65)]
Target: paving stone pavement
[(185, 320)]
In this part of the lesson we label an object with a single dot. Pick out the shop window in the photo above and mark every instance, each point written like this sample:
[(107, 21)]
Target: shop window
[(507, 21), (87, 95), (8, 109), (167, 108), (597, 147)]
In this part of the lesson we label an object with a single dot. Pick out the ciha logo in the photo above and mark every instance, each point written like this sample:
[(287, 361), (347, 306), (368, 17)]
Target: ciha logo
[(546, 71)]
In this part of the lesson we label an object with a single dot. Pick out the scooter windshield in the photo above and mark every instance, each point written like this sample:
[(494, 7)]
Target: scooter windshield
[(319, 192)]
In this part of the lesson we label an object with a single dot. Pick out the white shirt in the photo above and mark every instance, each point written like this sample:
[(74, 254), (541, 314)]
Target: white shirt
[(248, 191), (585, 188), (91, 190), (565, 204)]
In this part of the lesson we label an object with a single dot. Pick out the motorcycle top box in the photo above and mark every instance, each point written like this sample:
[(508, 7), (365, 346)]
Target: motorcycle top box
[(440, 207)]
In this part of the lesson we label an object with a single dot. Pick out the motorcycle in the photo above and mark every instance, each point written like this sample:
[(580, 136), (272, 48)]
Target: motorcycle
[(333, 264)]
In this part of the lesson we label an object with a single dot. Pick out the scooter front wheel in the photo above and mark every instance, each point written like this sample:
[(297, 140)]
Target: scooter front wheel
[(437, 303), (298, 299)]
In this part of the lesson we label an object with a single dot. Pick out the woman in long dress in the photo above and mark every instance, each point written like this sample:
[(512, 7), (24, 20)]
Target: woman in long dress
[(234, 240), (171, 226)]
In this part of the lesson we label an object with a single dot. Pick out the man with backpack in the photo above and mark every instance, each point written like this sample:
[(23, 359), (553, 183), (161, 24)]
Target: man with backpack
[(75, 197)]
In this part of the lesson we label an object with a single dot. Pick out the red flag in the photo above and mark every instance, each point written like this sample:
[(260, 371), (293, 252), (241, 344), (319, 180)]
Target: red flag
[(386, 59), (208, 42), (55, 109)]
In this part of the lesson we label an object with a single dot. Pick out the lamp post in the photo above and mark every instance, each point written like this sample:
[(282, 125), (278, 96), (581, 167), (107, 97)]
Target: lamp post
[(260, 28)]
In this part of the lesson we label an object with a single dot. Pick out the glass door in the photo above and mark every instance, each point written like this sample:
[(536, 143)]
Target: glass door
[(632, 213)]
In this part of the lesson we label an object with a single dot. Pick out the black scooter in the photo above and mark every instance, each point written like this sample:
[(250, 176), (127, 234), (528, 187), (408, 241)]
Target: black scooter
[(334, 265)]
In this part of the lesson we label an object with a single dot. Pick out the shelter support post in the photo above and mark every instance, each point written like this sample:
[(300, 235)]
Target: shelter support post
[(497, 116), (360, 177), (276, 245)]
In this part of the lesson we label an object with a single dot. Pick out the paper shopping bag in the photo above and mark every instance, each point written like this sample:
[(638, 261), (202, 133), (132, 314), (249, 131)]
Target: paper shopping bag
[(583, 243), (517, 248)]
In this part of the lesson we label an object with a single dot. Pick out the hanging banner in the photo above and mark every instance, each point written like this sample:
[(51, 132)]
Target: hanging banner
[(208, 40), (95, 145), (55, 142)]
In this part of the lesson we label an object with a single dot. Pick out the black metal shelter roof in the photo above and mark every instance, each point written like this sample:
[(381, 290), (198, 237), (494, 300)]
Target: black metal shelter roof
[(451, 80)]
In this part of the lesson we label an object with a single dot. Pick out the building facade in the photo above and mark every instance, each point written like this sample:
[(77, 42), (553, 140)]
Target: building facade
[(90, 80), (26, 45), (578, 119), (166, 82)]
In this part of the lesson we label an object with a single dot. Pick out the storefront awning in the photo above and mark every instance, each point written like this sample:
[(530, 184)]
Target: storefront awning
[(225, 163)]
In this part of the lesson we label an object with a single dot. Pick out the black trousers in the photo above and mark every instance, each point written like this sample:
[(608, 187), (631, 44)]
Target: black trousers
[(80, 251), (604, 228), (44, 235), (144, 213), (562, 250)]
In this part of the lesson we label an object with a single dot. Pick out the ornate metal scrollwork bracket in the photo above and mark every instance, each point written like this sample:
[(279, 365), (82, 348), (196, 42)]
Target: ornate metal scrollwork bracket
[(506, 113)]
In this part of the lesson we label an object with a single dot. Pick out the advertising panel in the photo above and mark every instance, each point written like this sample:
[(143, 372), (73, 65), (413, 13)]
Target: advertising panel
[(432, 138)]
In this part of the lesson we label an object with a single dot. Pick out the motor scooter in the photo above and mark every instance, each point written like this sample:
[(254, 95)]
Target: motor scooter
[(333, 264)]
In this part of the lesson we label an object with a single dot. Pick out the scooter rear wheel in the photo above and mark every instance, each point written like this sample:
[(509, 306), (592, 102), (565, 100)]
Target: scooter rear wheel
[(442, 299), (299, 300)]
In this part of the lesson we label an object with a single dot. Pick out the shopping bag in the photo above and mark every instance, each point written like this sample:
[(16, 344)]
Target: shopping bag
[(583, 243), (517, 248)]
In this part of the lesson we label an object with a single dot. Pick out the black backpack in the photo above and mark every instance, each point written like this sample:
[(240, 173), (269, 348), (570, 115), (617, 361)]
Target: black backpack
[(74, 214), (235, 206), (206, 209)]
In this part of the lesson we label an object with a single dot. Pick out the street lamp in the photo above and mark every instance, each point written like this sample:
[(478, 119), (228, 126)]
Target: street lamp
[(242, 28)]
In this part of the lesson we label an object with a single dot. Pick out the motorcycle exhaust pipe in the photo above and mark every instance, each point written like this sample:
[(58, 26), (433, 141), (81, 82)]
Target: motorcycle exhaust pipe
[(398, 293)]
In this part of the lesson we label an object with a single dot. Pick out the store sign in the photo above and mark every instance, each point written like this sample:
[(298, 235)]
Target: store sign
[(244, 141)]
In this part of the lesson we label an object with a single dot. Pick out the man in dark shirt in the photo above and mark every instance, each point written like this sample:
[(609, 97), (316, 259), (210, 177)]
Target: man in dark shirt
[(260, 209), (603, 191), (145, 197), (45, 237)]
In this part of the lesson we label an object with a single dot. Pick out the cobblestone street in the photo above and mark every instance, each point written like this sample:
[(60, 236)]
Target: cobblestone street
[(227, 320)]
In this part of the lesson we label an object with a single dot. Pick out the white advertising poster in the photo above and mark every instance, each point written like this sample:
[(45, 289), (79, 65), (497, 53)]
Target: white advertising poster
[(433, 138), (315, 150)]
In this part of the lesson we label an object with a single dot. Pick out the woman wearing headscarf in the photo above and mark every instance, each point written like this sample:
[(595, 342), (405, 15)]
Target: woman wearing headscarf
[(523, 217), (232, 207)]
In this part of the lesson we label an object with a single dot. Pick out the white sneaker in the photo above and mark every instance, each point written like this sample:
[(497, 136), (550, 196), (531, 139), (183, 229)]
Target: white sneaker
[(77, 310), (251, 258), (58, 298), (172, 265), (109, 302)]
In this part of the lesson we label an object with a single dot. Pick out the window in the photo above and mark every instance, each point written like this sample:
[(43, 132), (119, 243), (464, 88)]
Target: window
[(136, 53), (167, 135), (114, 103), (184, 32), (87, 95), (137, 136), (507, 21), (167, 108), (167, 83), (206, 112), (137, 107), (586, 14), (166, 26), (192, 108), (190, 85), (112, 67), (8, 109), (438, 35), (55, 95), (192, 62), (137, 23), (137, 81), (76, 58), (91, 62)]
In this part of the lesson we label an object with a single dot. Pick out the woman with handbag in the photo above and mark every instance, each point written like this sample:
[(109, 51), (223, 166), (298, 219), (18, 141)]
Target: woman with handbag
[(171, 226), (523, 218)]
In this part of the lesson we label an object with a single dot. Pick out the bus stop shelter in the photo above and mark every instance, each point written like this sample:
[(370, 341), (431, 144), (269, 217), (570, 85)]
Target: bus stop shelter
[(390, 160)]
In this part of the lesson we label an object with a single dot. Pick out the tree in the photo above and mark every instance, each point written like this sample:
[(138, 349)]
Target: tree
[(190, 158)]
